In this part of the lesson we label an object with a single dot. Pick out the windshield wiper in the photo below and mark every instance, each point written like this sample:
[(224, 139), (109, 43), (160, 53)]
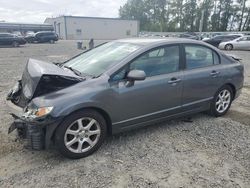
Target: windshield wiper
[(78, 73)]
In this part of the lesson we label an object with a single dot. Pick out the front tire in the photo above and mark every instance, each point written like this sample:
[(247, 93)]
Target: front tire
[(222, 101), (81, 134)]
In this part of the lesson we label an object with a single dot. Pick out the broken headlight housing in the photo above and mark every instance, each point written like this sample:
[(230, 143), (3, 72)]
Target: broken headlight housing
[(33, 113)]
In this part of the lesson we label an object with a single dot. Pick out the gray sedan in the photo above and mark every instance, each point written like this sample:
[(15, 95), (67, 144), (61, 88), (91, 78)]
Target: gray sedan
[(119, 86)]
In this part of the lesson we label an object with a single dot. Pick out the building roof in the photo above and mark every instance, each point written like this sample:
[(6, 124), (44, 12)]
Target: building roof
[(25, 26), (87, 17)]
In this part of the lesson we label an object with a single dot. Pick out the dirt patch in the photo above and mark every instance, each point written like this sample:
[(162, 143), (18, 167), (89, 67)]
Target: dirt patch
[(241, 117)]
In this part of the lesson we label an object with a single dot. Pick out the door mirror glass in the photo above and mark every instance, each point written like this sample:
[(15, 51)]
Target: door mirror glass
[(134, 75)]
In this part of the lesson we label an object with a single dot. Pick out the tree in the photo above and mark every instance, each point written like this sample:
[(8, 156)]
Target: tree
[(226, 14), (185, 15), (189, 13), (247, 21), (243, 5)]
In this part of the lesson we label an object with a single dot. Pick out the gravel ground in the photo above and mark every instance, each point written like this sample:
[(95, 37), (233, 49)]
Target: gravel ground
[(207, 152)]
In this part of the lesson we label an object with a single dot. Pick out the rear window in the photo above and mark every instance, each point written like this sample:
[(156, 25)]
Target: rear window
[(200, 56)]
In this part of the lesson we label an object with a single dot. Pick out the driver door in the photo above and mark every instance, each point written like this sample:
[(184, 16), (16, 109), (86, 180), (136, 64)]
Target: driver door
[(158, 96)]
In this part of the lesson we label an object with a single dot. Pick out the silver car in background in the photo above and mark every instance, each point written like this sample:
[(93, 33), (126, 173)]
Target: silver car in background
[(242, 43)]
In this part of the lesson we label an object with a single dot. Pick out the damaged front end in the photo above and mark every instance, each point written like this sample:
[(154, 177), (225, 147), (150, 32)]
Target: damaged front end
[(36, 131), (38, 79), (34, 135)]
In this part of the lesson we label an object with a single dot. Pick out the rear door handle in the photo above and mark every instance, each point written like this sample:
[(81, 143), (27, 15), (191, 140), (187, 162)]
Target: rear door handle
[(174, 81)]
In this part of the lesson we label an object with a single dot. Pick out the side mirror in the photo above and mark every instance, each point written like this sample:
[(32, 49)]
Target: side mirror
[(134, 75)]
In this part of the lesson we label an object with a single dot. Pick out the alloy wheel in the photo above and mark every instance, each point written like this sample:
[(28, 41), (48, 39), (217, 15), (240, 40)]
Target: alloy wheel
[(82, 135), (223, 101), (228, 47)]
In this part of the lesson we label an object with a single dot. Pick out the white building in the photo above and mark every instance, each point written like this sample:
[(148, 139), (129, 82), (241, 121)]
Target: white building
[(85, 28)]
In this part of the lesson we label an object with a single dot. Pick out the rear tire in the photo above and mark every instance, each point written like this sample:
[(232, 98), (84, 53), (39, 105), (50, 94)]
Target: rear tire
[(81, 134), (229, 47), (222, 101)]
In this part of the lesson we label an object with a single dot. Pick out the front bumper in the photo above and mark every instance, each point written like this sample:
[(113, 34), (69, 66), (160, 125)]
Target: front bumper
[(33, 135), (37, 134)]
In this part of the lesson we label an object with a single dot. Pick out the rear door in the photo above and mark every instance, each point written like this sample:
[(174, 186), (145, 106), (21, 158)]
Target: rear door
[(202, 76), (48, 37), (159, 95), (39, 37)]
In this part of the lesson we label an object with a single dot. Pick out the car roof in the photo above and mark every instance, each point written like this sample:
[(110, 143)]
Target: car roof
[(228, 35), (45, 32), (153, 41)]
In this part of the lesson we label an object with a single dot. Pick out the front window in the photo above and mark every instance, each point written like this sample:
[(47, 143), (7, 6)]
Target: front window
[(155, 62), (160, 61), (100, 59)]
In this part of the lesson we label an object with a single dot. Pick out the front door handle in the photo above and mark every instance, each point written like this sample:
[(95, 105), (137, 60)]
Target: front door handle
[(174, 81), (214, 73)]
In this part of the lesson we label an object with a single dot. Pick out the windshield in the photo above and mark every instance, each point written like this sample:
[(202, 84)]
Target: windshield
[(98, 60)]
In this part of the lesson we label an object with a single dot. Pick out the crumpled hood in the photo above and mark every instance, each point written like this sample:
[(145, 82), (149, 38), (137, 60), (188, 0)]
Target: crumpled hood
[(40, 78)]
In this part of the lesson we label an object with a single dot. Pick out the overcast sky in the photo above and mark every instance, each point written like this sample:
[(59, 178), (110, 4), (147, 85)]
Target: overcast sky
[(35, 11)]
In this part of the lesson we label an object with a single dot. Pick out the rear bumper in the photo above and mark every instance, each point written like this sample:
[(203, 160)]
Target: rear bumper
[(237, 93)]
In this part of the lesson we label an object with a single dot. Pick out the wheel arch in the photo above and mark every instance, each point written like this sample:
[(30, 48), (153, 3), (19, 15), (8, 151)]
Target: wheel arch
[(101, 111), (105, 116), (232, 87)]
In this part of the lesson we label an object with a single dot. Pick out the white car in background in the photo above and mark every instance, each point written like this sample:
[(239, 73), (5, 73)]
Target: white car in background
[(242, 43)]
